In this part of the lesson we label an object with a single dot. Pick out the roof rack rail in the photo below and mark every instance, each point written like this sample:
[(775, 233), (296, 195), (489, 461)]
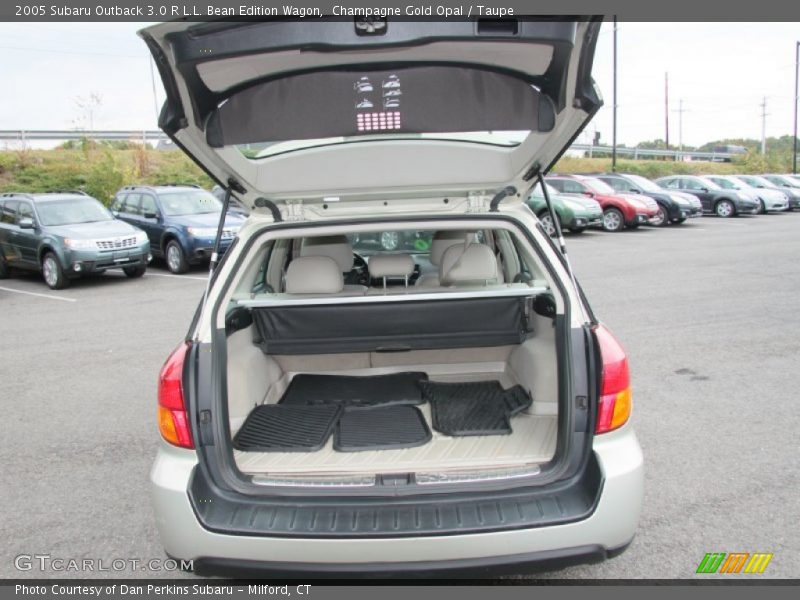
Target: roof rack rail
[(79, 192), (173, 184), (15, 194)]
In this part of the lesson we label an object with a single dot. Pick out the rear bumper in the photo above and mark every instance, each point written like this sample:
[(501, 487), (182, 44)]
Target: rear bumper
[(610, 526), (481, 568)]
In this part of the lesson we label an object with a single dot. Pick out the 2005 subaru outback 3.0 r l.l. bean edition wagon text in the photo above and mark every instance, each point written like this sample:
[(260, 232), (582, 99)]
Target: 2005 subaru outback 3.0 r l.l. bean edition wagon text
[(455, 408)]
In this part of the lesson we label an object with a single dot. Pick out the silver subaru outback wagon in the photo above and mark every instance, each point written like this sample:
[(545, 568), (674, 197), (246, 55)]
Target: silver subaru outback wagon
[(447, 405)]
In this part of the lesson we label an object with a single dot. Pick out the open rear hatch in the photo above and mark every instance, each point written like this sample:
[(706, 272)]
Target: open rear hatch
[(313, 109)]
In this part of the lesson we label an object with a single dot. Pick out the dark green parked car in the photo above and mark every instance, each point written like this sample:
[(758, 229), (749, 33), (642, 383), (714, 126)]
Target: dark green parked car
[(65, 235), (574, 213)]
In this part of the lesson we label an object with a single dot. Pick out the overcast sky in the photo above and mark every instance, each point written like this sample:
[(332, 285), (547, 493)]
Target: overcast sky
[(721, 71)]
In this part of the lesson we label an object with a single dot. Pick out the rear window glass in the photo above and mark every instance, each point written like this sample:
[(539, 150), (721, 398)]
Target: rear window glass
[(330, 107)]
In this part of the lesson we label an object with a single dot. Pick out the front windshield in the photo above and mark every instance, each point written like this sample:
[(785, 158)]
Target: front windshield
[(757, 181), (199, 202), (781, 180), (726, 183), (416, 242), (598, 186), (72, 212), (644, 183), (551, 191), (707, 183)]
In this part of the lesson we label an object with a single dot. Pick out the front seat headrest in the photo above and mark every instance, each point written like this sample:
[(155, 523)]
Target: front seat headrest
[(442, 240), (313, 275), (336, 247), (468, 263)]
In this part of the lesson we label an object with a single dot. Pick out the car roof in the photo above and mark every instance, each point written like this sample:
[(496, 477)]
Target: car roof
[(164, 187), (38, 197)]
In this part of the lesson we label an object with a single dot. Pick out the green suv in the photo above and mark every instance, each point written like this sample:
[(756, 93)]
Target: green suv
[(573, 212), (65, 235)]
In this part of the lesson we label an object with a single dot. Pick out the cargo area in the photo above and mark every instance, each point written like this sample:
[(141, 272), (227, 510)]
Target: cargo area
[(356, 413)]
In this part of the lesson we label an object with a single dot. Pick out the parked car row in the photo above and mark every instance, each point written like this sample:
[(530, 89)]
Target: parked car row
[(615, 201), (67, 234)]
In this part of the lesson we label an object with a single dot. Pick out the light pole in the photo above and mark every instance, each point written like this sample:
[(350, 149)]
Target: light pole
[(796, 73), (614, 116)]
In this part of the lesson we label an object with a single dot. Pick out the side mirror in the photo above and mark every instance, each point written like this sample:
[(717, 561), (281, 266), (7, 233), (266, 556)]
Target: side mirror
[(26, 223), (704, 189), (150, 215), (589, 194), (635, 190)]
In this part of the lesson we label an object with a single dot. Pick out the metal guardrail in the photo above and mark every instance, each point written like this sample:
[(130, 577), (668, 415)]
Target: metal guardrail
[(22, 135), (653, 152), (152, 135)]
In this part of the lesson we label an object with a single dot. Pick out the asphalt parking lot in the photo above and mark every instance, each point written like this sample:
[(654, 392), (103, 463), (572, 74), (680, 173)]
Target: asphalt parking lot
[(707, 311)]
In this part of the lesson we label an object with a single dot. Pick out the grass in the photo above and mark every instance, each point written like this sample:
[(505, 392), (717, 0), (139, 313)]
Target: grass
[(100, 170)]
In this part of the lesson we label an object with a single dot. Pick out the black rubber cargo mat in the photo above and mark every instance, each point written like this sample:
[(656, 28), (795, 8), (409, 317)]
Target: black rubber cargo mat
[(474, 408), (380, 428), (276, 428), (351, 390)]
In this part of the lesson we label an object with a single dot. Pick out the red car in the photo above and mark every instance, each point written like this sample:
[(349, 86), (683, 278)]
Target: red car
[(619, 210)]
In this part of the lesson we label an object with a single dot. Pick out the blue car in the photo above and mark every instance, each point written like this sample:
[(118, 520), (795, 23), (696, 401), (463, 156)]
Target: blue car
[(180, 221)]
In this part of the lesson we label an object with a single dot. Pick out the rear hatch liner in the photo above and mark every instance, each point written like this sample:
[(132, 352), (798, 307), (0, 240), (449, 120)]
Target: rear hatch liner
[(301, 109)]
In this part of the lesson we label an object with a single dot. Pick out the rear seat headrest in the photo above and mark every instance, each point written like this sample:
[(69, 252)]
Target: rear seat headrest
[(391, 265), (314, 275), (336, 247), (442, 240), (468, 263)]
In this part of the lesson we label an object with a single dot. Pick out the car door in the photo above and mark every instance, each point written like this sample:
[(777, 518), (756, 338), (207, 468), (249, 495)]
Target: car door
[(127, 208), (150, 219), (695, 187), (8, 232), (571, 186), (26, 241)]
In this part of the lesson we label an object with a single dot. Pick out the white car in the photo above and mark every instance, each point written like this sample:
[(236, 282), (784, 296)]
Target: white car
[(769, 199), (456, 407)]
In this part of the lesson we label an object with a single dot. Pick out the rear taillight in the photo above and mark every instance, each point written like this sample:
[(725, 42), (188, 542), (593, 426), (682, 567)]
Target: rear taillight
[(173, 421), (615, 386)]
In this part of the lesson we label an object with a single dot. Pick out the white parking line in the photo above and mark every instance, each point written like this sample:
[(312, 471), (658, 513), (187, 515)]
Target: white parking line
[(177, 276), (48, 296)]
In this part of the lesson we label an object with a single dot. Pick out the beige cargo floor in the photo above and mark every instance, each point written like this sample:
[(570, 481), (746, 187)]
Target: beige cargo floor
[(532, 441)]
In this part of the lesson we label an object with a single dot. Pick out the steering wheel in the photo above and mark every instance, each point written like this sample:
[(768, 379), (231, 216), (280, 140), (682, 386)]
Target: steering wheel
[(359, 274)]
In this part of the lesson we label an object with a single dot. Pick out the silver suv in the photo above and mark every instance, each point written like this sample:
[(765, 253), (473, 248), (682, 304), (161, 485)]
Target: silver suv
[(452, 405)]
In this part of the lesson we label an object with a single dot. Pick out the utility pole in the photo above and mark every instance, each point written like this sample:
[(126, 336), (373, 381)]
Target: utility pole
[(764, 114), (796, 76), (614, 127), (666, 109), (680, 112), (153, 84)]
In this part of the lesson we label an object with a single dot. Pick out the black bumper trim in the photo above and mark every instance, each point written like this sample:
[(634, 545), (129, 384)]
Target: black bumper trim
[(367, 517), (468, 568)]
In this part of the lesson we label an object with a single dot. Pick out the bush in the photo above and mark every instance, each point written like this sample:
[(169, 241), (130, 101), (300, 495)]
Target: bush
[(95, 168)]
